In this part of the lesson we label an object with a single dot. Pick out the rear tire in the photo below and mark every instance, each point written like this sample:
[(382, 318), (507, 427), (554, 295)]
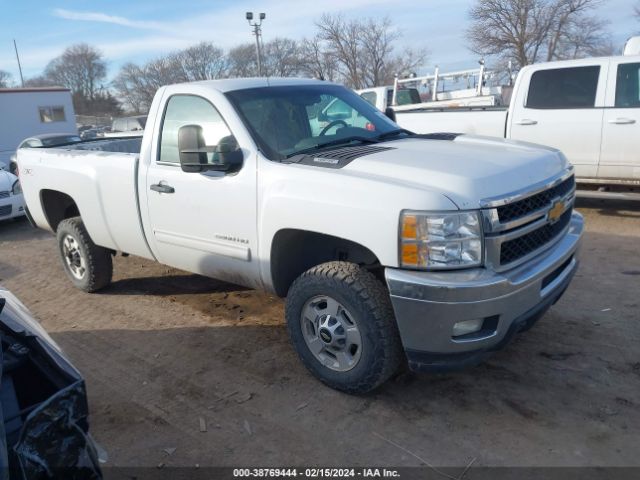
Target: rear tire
[(88, 266), (342, 326)]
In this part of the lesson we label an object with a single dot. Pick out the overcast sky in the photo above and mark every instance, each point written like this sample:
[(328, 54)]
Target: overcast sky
[(138, 30)]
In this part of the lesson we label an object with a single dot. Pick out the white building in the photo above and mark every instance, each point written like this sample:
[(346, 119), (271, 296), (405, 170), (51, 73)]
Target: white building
[(25, 112)]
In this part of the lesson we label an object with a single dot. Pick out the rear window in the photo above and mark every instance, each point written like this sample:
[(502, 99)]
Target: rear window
[(408, 96), (370, 97), (628, 85), (564, 88)]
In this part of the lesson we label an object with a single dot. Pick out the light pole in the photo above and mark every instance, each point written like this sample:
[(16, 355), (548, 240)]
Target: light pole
[(257, 31)]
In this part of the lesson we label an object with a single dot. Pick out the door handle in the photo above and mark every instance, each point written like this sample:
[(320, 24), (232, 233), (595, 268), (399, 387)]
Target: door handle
[(622, 121), (162, 188), (526, 121)]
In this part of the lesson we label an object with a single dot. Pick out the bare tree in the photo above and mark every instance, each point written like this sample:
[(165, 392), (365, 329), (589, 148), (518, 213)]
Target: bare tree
[(527, 31), (81, 68), (344, 41), (203, 61), (281, 58), (317, 61), (403, 64), (242, 61), (39, 81), (138, 85), (133, 88), (5, 79), (584, 36), (364, 50)]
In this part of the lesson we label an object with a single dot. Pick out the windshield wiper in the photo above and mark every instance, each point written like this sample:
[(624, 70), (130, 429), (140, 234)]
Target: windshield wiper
[(394, 133), (333, 143)]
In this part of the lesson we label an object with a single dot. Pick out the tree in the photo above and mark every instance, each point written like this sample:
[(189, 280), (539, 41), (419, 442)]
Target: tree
[(527, 31), (281, 58), (364, 50), (81, 68), (5, 79), (39, 81), (344, 42), (138, 85), (317, 61), (242, 61), (203, 61)]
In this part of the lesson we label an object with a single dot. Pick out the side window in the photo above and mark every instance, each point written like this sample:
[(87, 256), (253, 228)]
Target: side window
[(51, 114), (407, 96), (189, 110), (370, 97), (564, 88), (338, 110), (628, 85)]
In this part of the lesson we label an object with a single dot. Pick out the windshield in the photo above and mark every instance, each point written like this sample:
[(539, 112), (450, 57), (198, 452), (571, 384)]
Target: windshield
[(288, 120)]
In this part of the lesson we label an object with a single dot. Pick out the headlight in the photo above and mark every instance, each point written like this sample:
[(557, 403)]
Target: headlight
[(16, 189), (440, 240)]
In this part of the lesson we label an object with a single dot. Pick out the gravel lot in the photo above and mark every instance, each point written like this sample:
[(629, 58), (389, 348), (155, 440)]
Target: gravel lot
[(162, 349)]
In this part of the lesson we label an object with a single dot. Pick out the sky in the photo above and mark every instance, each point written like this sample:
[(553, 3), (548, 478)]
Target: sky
[(139, 30)]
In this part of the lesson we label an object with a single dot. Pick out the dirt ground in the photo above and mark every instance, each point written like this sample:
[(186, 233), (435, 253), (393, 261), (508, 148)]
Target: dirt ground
[(162, 349)]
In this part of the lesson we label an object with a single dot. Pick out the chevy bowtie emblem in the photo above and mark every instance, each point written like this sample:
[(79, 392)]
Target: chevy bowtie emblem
[(557, 209)]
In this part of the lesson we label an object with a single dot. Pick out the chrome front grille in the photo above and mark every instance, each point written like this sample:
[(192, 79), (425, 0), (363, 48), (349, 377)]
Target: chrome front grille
[(521, 225), (526, 206), (4, 194), (515, 249)]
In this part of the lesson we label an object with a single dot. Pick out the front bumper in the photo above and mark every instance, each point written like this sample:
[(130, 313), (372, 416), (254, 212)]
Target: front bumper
[(12, 207), (428, 304)]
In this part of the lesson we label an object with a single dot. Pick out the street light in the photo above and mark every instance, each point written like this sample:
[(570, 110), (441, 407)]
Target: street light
[(257, 31)]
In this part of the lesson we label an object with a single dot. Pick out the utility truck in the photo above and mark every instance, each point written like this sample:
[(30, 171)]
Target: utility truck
[(589, 109), (390, 247), (464, 88)]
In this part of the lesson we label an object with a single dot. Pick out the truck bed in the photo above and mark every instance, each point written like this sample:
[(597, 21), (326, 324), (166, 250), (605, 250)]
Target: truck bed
[(485, 121), (100, 176)]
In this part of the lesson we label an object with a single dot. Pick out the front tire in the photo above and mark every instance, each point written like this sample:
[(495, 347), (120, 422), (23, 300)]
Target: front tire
[(88, 266), (342, 326)]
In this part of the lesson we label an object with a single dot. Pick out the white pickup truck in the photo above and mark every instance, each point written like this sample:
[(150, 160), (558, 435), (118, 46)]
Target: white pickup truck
[(589, 109), (388, 246)]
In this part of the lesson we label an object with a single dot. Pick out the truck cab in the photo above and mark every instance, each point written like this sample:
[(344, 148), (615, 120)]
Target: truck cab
[(588, 108)]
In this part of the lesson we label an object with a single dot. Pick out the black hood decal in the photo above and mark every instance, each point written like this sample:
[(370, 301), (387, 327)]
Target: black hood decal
[(339, 157)]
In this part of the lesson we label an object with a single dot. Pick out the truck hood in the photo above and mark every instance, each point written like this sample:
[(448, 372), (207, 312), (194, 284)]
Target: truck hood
[(467, 170)]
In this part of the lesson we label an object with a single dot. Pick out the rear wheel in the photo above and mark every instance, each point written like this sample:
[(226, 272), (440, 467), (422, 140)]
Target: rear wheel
[(88, 266), (342, 326)]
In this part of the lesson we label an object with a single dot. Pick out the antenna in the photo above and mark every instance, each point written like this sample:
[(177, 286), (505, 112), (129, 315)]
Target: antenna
[(19, 66)]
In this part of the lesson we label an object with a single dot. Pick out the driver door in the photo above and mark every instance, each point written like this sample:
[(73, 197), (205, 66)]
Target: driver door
[(202, 222)]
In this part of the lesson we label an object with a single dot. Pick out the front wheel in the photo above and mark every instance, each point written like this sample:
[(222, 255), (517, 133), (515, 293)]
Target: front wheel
[(88, 266), (342, 326)]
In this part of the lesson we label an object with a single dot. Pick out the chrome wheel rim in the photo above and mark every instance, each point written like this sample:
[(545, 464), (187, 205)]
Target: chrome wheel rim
[(331, 333), (73, 257)]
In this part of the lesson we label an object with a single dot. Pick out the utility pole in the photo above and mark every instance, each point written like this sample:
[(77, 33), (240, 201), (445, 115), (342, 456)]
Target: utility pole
[(257, 31), (15, 47)]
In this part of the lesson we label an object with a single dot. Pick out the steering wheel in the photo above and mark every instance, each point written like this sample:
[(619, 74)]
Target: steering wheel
[(331, 125)]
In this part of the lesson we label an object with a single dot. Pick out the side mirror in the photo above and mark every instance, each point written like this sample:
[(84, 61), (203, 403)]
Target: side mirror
[(390, 113), (193, 156), (193, 152)]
